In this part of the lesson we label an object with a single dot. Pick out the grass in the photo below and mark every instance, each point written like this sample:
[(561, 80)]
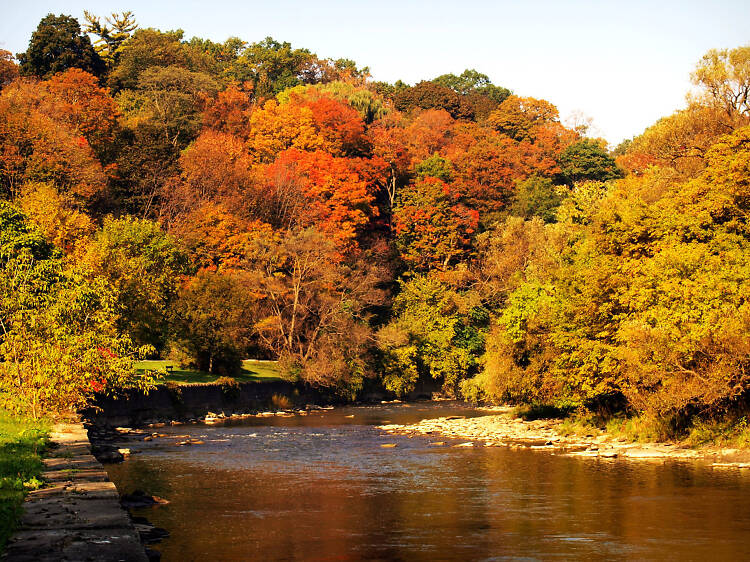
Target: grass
[(253, 370), (21, 444)]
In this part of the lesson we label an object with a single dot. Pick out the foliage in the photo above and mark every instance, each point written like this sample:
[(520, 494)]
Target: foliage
[(436, 332), (8, 69), (56, 216), (212, 321), (38, 143), (22, 442), (430, 95), (143, 265), (313, 308), (536, 196), (112, 34), (57, 45), (433, 229), (586, 160), (471, 81), (60, 344), (724, 74)]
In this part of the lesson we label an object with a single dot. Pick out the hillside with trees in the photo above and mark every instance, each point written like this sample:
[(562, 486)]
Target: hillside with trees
[(166, 197)]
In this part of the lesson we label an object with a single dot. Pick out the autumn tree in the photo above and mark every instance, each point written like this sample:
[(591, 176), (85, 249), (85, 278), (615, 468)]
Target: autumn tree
[(59, 343), (8, 68), (436, 333), (724, 75), (430, 95), (229, 112), (87, 108), (318, 189), (520, 118), (38, 144), (56, 216), (433, 228), (313, 309)]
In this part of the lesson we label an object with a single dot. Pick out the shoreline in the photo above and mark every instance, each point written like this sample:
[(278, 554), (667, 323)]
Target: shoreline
[(77, 514), (502, 428)]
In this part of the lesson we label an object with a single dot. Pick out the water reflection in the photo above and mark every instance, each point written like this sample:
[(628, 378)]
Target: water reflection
[(322, 488)]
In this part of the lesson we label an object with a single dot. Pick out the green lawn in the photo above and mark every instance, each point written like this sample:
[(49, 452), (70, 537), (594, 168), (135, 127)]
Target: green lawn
[(252, 371), (21, 444)]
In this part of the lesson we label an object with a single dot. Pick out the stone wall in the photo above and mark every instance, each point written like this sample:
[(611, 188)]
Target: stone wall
[(182, 402)]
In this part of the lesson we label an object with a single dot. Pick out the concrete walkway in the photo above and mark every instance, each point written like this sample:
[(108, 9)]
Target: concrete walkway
[(77, 516)]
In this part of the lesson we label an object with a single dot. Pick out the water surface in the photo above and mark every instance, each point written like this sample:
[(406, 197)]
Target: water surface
[(321, 487)]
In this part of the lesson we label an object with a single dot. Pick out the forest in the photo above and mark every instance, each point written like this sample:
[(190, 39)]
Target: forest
[(209, 202)]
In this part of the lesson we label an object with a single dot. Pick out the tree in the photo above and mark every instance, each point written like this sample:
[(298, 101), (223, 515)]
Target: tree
[(144, 265), (57, 45), (520, 118), (230, 112), (679, 141), (429, 95), (212, 321), (56, 217), (536, 196), (168, 101), (272, 66), (8, 68), (37, 144), (18, 236), (112, 34), (313, 309), (58, 341), (433, 229), (586, 160), (437, 332), (725, 76), (149, 48), (335, 199), (87, 108), (476, 90)]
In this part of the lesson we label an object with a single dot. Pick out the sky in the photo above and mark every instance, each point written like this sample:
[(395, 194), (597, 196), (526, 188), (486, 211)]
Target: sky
[(624, 64)]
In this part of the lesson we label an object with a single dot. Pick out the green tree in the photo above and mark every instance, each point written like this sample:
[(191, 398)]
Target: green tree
[(536, 196), (212, 321), (59, 341), (144, 265), (148, 48), (436, 332), (471, 81), (57, 45), (586, 160)]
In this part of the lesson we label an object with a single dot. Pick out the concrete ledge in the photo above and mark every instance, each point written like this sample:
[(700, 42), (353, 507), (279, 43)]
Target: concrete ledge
[(77, 516)]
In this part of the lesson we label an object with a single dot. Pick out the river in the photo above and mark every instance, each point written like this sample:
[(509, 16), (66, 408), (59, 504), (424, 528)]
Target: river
[(323, 487)]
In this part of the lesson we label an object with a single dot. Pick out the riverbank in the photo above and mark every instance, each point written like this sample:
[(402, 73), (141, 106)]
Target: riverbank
[(22, 442), (502, 428), (77, 514)]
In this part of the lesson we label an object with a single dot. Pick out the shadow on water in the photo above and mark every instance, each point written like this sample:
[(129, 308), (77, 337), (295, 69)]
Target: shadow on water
[(322, 487)]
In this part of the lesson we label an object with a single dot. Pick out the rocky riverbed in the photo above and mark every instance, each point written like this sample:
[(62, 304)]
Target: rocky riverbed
[(503, 429)]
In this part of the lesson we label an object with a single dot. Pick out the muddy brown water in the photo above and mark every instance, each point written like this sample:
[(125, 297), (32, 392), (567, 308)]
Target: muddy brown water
[(321, 487)]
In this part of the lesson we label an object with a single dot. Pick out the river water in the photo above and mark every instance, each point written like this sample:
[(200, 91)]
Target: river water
[(322, 487)]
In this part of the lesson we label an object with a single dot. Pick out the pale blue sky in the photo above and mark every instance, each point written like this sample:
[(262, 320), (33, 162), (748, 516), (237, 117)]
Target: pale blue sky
[(624, 63)]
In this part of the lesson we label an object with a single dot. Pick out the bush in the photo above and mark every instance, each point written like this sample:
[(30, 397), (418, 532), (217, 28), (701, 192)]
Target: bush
[(229, 387)]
